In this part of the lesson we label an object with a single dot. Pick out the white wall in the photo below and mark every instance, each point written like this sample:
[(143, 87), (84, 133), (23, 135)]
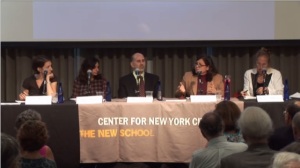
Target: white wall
[(66, 20)]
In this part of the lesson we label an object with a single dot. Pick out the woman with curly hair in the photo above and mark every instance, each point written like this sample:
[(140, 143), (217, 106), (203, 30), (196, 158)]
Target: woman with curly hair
[(32, 136), (31, 114)]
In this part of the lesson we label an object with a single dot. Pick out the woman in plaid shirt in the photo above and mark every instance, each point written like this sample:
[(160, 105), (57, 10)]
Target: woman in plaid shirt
[(89, 80)]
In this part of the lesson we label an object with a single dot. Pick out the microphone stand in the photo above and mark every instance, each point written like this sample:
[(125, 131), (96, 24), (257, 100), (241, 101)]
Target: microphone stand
[(45, 83), (89, 87), (44, 87), (89, 73), (200, 81), (264, 82), (137, 90), (137, 73)]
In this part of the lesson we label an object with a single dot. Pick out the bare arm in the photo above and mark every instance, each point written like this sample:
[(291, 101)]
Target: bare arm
[(23, 94), (51, 87), (49, 154)]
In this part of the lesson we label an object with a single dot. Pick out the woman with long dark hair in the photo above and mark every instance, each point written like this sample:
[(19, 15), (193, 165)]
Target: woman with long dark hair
[(89, 80), (202, 80)]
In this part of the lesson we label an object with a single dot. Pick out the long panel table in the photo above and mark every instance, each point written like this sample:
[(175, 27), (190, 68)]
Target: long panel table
[(63, 124)]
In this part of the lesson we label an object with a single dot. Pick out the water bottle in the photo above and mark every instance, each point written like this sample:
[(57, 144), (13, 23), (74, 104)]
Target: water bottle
[(108, 92), (286, 90), (227, 88), (60, 94), (159, 96)]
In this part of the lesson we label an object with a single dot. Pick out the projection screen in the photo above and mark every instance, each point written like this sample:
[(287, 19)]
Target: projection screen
[(146, 20)]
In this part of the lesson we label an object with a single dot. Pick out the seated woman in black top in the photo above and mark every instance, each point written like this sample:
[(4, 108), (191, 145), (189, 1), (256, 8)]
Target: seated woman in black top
[(42, 82)]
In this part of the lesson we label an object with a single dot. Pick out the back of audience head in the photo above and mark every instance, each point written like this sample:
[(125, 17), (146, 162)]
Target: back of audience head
[(26, 115), (296, 126), (230, 113), (255, 125), (286, 160), (291, 109), (211, 125), (10, 153), (33, 135), (292, 147)]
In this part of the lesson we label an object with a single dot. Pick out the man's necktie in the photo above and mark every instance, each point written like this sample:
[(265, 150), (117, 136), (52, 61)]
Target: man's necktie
[(141, 86)]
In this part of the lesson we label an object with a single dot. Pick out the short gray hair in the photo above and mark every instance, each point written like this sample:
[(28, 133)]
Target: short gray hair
[(255, 123), (285, 159), (133, 55)]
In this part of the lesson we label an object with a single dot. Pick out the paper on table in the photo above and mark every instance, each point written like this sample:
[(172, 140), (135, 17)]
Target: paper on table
[(89, 99), (139, 99), (203, 98), (269, 98), (295, 95), (11, 103), (249, 97), (175, 100)]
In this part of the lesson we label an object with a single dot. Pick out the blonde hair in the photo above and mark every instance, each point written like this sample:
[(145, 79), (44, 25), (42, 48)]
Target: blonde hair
[(263, 52)]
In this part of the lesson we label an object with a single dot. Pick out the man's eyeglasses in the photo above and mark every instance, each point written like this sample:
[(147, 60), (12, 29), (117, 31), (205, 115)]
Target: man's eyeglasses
[(199, 65)]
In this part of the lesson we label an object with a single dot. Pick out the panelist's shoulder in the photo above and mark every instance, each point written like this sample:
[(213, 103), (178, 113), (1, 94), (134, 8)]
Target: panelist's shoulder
[(152, 75), (188, 74), (125, 76), (275, 71), (253, 70), (218, 75)]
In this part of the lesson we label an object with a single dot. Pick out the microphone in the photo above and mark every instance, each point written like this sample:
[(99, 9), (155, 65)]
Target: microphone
[(137, 71), (264, 71), (45, 74), (199, 74), (89, 72), (45, 82)]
